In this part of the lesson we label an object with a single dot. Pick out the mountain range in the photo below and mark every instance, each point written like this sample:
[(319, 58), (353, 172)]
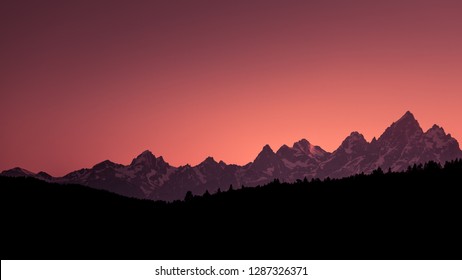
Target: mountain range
[(402, 144)]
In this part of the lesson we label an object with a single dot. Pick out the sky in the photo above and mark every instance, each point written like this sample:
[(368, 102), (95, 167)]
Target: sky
[(84, 81)]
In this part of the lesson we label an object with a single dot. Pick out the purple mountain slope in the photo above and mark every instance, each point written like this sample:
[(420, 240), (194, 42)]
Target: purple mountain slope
[(302, 160), (347, 159), (402, 144)]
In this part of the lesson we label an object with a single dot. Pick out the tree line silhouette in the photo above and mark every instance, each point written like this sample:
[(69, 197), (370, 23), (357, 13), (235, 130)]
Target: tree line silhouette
[(413, 214)]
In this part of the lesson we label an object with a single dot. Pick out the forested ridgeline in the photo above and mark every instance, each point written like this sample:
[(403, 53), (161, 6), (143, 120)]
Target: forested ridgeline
[(384, 215)]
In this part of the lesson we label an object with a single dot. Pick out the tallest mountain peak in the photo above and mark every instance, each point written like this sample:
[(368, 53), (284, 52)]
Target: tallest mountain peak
[(405, 131), (407, 121), (408, 116)]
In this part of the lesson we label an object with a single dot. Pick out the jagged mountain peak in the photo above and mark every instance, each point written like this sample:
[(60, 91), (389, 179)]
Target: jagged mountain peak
[(435, 129), (306, 148), (146, 152), (355, 142), (408, 116), (267, 148), (105, 164), (18, 172), (303, 146), (284, 146), (407, 119), (437, 135), (283, 150), (145, 157), (209, 161), (146, 163), (405, 130), (301, 143), (266, 154), (355, 136)]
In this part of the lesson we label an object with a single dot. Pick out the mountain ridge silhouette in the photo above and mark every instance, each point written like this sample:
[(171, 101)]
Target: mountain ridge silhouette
[(402, 144)]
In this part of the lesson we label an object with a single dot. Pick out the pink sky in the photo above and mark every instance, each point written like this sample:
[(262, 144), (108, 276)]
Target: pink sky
[(96, 80)]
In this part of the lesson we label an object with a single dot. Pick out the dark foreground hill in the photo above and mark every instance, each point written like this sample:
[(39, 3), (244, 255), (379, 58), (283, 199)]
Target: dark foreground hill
[(409, 215)]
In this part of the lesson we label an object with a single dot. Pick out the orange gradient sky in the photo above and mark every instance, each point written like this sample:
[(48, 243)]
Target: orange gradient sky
[(93, 80)]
